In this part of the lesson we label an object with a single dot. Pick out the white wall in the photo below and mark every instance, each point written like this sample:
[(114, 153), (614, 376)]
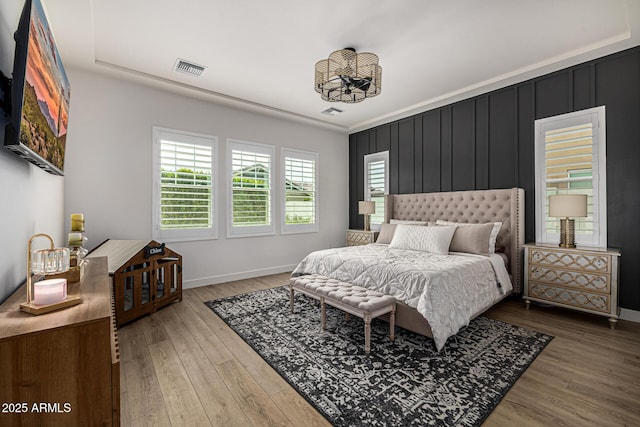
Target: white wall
[(108, 174), (31, 199)]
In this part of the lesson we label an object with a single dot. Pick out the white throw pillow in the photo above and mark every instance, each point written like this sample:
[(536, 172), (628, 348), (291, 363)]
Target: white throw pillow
[(492, 238), (420, 238)]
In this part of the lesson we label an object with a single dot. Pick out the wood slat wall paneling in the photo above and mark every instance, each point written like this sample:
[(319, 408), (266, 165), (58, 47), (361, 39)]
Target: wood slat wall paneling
[(553, 95), (618, 87), (487, 142), (383, 138), (483, 163), (431, 151), (503, 139), (394, 176), (362, 149), (353, 181), (406, 152), (445, 149), (417, 157), (463, 162), (582, 89), (526, 156)]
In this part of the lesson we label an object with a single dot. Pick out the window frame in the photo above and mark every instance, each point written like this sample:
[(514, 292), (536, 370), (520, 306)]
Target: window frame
[(184, 234), (376, 157), (298, 228), (596, 116), (250, 230)]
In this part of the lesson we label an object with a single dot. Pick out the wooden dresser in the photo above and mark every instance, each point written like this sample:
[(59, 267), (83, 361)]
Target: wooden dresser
[(584, 279), (62, 368)]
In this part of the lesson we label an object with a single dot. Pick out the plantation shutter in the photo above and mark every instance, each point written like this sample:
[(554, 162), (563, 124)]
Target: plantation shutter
[(300, 196), (185, 185), (569, 170), (377, 183), (251, 189), (570, 159)]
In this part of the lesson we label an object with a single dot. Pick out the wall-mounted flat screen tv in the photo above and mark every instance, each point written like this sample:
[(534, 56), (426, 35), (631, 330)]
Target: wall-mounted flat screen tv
[(39, 94)]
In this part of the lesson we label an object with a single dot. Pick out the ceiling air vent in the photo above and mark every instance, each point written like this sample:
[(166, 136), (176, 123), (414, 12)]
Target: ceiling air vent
[(332, 111), (189, 68)]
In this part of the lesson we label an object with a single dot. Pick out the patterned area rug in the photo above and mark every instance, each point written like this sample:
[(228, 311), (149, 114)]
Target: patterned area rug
[(404, 383)]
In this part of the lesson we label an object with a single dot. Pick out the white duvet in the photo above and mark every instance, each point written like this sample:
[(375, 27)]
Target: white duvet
[(448, 290)]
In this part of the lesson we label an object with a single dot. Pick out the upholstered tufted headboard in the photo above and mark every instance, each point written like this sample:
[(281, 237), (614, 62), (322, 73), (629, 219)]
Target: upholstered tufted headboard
[(476, 206)]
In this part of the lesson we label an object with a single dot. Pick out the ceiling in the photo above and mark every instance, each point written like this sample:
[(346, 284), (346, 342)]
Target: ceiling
[(260, 55)]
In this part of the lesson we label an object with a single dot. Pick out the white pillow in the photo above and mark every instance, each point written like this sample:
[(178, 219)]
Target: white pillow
[(492, 238), (421, 238), (406, 221)]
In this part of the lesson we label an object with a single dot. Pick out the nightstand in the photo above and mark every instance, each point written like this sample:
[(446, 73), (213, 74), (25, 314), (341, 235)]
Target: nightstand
[(584, 279), (361, 237)]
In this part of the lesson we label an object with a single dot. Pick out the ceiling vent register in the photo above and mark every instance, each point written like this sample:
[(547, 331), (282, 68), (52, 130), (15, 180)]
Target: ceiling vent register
[(190, 68)]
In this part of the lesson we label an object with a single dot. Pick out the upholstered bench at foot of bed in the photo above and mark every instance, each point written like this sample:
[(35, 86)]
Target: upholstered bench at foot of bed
[(351, 299)]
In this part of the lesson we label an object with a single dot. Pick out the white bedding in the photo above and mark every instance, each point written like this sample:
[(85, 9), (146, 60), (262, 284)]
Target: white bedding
[(448, 290)]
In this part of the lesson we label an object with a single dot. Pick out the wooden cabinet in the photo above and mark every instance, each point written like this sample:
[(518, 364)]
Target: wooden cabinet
[(62, 368), (584, 279), (146, 276), (361, 237)]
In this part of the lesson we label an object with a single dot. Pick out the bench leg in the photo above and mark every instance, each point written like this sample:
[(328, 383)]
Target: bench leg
[(392, 325), (323, 311), (291, 298), (347, 316), (367, 334)]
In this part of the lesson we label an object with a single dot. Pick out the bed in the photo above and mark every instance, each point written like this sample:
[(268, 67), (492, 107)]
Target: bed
[(437, 293)]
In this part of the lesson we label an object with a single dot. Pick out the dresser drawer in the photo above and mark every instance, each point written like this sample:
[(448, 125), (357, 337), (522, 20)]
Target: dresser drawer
[(573, 260), (571, 297), (582, 280)]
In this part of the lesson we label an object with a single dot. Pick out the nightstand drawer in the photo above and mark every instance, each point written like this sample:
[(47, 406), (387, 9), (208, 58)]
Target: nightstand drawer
[(590, 282), (361, 237), (571, 297), (572, 260)]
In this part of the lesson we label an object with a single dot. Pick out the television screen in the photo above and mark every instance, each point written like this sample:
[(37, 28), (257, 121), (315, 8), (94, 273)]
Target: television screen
[(40, 94)]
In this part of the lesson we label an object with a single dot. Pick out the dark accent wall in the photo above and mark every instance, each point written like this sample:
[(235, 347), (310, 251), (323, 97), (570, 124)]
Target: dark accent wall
[(487, 142)]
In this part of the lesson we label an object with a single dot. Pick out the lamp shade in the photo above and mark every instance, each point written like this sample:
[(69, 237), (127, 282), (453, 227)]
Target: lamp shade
[(568, 205), (366, 207)]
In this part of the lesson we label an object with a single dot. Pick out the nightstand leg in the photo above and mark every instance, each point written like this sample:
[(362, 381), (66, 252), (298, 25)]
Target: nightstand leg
[(527, 304), (613, 323)]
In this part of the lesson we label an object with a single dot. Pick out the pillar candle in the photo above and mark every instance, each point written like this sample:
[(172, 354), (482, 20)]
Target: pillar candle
[(49, 291), (77, 222)]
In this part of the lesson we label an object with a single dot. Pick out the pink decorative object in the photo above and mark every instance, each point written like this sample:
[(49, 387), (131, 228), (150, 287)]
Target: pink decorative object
[(49, 291)]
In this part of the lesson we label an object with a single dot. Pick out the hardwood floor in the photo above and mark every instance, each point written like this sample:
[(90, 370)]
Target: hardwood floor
[(183, 366)]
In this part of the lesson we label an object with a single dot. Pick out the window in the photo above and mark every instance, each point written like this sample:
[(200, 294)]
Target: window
[(251, 189), (300, 194), (184, 185), (376, 181), (570, 159)]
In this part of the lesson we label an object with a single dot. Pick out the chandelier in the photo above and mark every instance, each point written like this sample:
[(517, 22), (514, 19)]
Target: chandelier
[(347, 76)]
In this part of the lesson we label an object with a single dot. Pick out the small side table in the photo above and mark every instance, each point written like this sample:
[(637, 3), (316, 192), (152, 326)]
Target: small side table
[(361, 237)]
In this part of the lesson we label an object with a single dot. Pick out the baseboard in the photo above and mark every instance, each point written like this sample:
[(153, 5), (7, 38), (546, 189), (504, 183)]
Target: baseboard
[(213, 280), (630, 315)]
